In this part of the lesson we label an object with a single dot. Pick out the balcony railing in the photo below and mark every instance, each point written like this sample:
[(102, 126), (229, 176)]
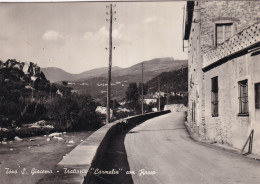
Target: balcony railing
[(233, 45)]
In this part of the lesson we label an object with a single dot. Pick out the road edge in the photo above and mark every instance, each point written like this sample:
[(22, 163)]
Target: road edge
[(225, 147)]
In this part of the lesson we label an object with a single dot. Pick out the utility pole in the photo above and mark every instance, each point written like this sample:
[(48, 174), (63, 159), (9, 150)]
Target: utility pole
[(168, 96), (142, 88), (110, 63), (50, 92), (159, 98)]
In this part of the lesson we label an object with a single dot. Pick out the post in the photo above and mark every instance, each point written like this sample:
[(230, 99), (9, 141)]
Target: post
[(250, 141), (109, 65), (142, 88), (168, 95), (159, 99), (50, 93)]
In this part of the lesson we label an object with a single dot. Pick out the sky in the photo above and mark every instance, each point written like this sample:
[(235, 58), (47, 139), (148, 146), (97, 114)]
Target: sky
[(74, 36)]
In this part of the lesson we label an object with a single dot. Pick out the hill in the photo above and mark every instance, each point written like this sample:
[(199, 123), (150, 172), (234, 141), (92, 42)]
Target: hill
[(97, 86), (56, 74), (95, 72), (151, 69), (173, 81), (21, 84), (28, 100)]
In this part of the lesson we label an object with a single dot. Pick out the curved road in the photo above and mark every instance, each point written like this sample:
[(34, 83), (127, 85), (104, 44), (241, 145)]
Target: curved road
[(163, 145)]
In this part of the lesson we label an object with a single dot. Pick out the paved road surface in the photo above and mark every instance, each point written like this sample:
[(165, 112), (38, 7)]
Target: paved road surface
[(163, 145)]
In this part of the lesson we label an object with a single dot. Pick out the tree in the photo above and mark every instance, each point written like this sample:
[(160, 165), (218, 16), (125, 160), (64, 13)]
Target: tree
[(113, 104), (54, 88), (74, 112), (132, 96), (64, 83)]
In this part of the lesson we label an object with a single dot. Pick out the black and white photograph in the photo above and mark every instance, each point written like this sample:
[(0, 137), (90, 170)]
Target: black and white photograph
[(130, 92)]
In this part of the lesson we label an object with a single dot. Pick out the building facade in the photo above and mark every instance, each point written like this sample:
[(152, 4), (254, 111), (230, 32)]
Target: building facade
[(150, 100), (223, 40)]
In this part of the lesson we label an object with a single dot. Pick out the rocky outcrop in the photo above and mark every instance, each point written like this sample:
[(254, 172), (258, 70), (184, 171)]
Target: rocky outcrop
[(20, 74)]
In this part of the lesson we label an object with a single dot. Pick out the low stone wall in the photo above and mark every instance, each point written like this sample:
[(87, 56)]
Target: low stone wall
[(105, 137), (176, 108)]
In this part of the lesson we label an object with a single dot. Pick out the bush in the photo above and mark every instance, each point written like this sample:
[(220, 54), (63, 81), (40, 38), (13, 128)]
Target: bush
[(33, 111), (74, 112)]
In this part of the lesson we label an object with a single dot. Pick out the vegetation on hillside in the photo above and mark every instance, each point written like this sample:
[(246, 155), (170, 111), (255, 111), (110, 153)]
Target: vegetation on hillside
[(97, 85), (133, 96), (173, 84), (173, 81), (26, 96)]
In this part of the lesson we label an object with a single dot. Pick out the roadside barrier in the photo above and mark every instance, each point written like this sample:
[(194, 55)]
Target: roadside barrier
[(119, 126)]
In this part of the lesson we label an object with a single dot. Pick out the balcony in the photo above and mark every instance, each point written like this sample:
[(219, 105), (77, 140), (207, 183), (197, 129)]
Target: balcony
[(239, 42)]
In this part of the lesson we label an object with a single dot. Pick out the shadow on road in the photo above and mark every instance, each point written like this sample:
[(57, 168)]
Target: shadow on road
[(115, 158), (158, 130)]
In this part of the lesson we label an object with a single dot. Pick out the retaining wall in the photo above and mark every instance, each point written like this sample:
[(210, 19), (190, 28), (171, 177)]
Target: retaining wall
[(116, 127)]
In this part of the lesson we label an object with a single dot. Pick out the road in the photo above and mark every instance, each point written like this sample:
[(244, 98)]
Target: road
[(163, 145)]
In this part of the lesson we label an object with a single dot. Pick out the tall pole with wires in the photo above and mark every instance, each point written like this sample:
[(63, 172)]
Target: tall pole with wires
[(110, 61), (142, 88), (159, 94)]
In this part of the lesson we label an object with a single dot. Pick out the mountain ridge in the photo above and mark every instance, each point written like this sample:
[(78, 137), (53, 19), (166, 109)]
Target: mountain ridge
[(55, 74), (97, 86), (156, 65)]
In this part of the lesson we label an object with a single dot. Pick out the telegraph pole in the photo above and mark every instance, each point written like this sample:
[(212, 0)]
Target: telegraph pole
[(110, 63), (142, 88), (159, 90), (168, 96)]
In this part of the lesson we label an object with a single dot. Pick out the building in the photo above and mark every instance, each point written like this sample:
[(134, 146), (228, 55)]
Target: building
[(157, 94), (148, 100), (223, 40), (103, 110)]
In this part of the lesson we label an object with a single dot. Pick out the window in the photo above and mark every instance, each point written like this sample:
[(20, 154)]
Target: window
[(257, 95), (243, 97), (223, 32), (214, 97)]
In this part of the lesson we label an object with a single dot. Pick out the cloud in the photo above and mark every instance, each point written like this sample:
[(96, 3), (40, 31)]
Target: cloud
[(102, 36), (154, 19), (52, 36)]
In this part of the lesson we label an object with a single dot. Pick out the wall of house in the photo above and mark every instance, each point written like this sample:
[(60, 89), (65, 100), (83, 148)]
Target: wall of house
[(228, 127), (195, 75), (241, 13)]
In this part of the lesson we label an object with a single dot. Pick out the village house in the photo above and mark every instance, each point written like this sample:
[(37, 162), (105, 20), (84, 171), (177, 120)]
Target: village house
[(157, 94), (223, 44), (150, 99)]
